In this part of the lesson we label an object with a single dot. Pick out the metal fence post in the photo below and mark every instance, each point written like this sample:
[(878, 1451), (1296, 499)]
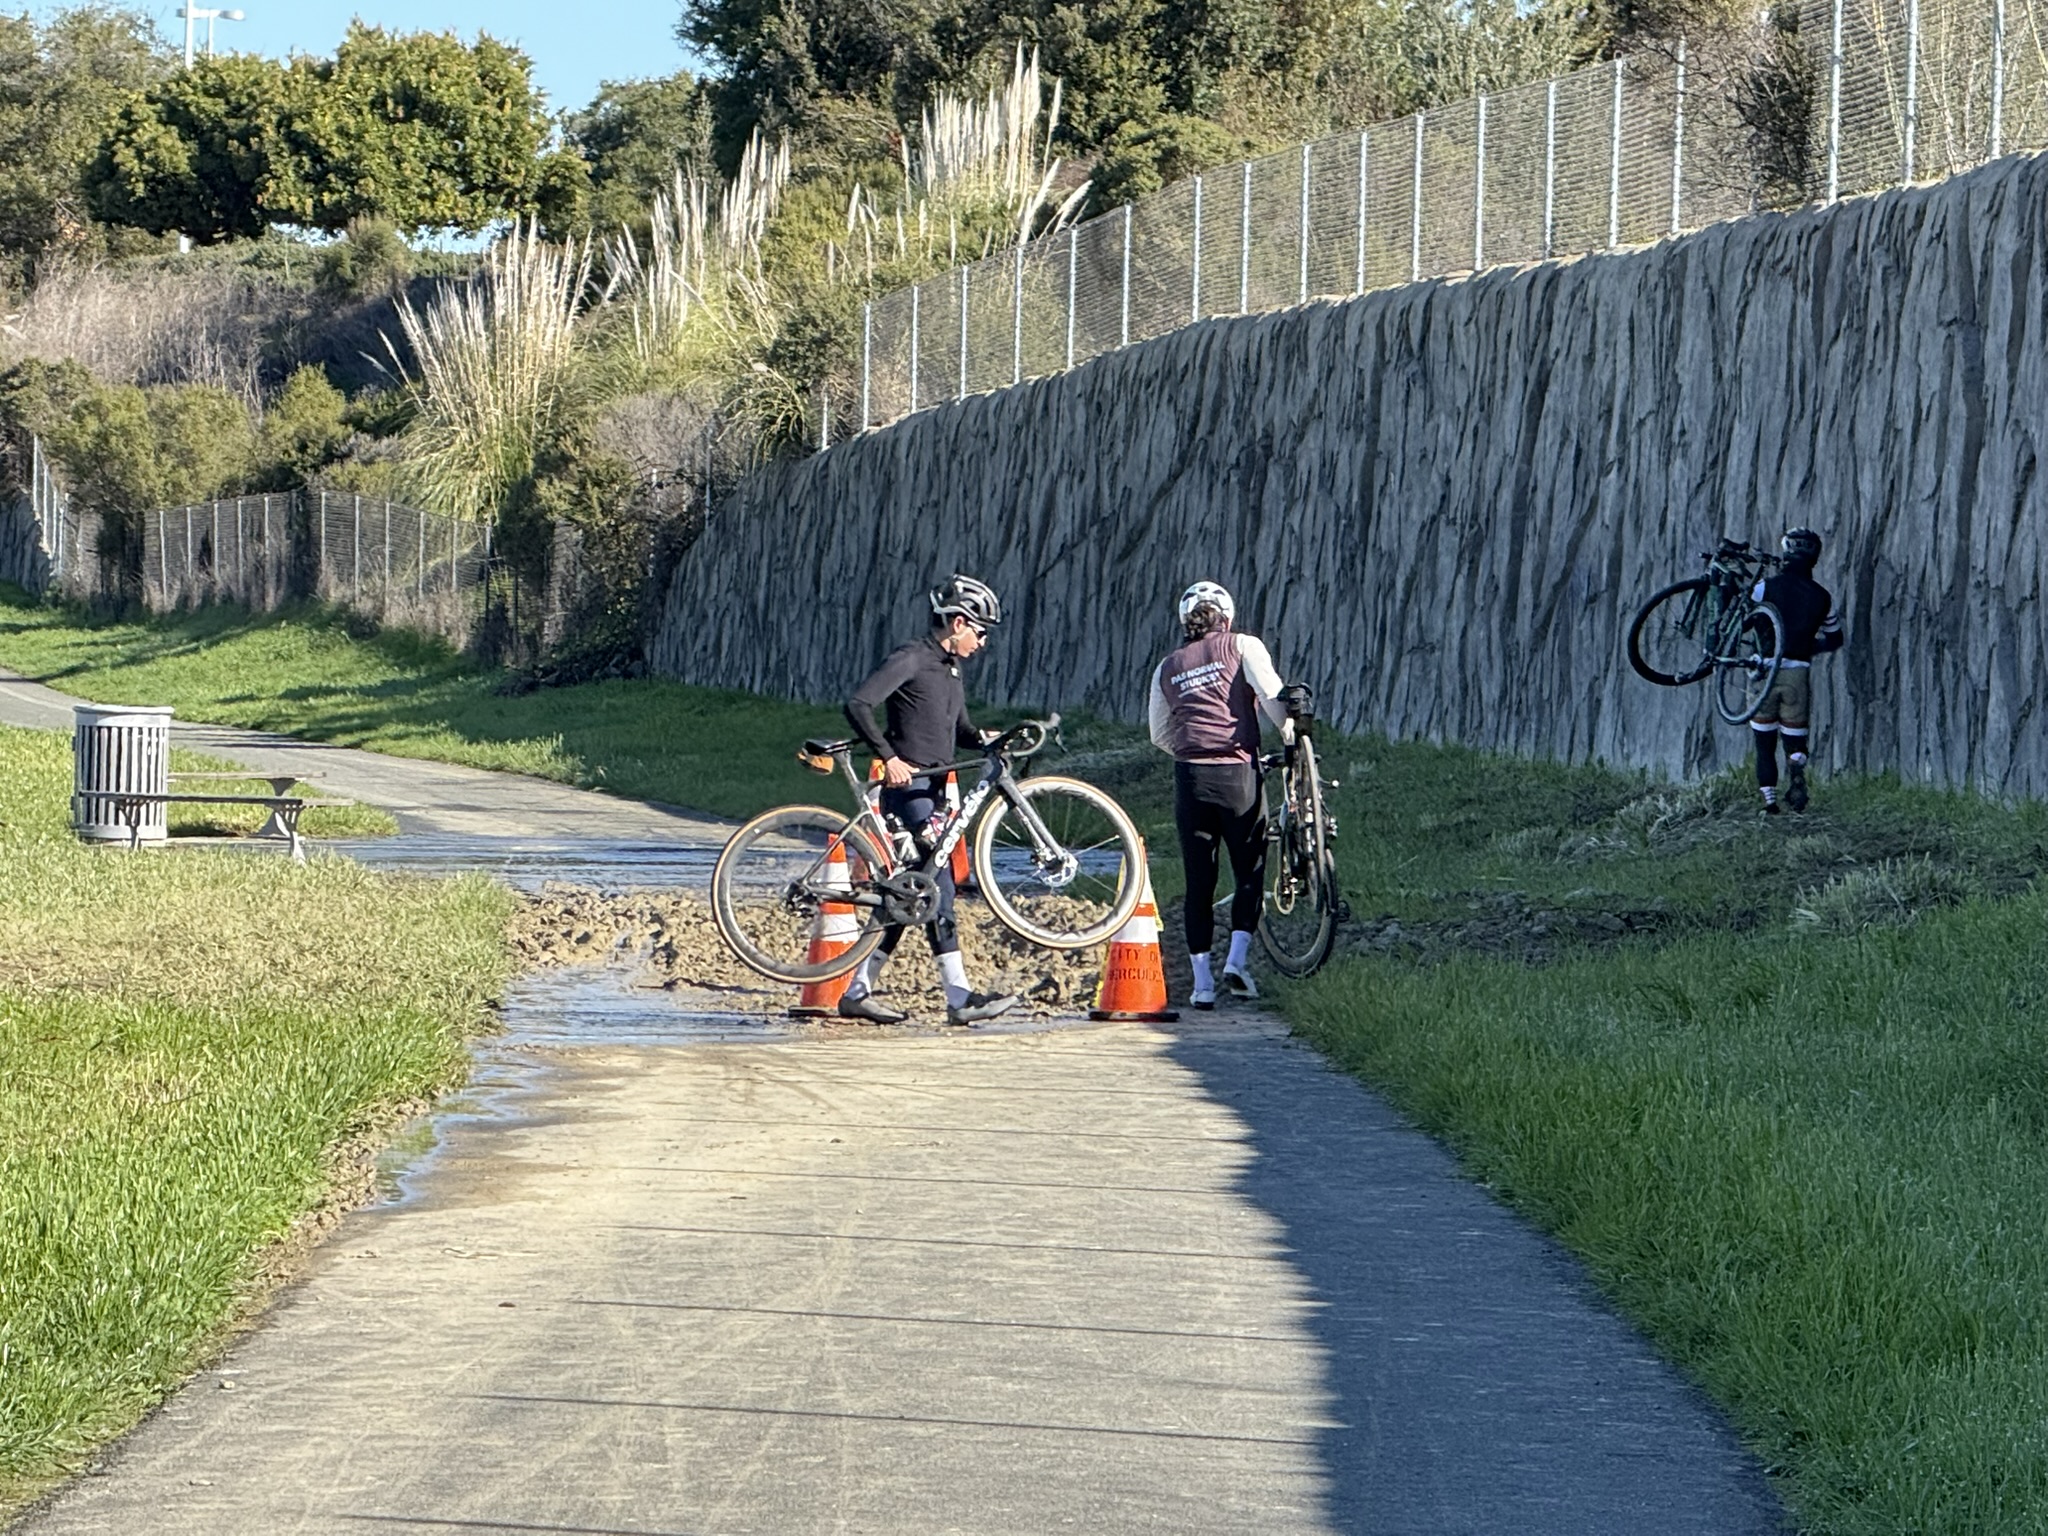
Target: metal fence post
[(1997, 78), (1305, 152), (1244, 241), (1364, 161), (1550, 171), (1678, 142), (916, 295), (1195, 279), (1415, 223), (963, 335), (1912, 124), (1479, 192), (1835, 105), (867, 364), (1614, 167), (1073, 272), (1124, 327), (1017, 319)]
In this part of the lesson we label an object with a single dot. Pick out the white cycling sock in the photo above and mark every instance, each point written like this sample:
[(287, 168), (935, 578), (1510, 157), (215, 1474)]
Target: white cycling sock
[(1204, 980), (866, 977), (1240, 950), (953, 973)]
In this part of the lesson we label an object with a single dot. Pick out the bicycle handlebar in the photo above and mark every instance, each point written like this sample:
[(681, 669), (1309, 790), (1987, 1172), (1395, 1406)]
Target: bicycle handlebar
[(1025, 738)]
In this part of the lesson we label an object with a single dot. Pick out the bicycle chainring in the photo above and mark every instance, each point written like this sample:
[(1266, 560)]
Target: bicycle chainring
[(909, 897)]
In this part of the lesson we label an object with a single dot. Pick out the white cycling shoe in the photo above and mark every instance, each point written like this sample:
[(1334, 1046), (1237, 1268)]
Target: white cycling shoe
[(1203, 997), (1240, 984)]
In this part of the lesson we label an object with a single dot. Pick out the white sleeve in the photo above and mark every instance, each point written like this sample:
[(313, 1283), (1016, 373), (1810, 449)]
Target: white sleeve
[(1264, 677), (1157, 715)]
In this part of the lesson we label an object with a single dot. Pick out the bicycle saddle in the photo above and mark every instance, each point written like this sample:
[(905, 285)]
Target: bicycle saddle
[(819, 746)]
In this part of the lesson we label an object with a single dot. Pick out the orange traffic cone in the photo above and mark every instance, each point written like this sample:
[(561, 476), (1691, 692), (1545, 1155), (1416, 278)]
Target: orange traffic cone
[(833, 931), (1133, 976), (962, 871)]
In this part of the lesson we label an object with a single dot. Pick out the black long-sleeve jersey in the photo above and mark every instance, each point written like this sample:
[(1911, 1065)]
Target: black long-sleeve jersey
[(926, 704), (1808, 610)]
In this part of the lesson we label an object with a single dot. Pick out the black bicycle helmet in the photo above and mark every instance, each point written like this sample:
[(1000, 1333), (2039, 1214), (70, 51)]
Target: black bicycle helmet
[(974, 601), (1801, 546)]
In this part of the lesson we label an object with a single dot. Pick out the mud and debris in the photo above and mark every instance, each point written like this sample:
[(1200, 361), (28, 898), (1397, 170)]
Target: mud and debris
[(666, 940)]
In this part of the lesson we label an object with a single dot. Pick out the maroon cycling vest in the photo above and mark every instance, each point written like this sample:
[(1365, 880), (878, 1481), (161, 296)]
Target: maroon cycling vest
[(1214, 712)]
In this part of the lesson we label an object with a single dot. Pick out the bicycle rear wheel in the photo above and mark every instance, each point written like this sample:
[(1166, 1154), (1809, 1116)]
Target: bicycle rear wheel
[(793, 894), (1743, 678), (1063, 868), (1669, 641), (1298, 923)]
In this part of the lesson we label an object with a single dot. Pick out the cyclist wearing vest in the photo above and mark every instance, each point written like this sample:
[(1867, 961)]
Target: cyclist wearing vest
[(1811, 629), (1205, 704), (919, 686)]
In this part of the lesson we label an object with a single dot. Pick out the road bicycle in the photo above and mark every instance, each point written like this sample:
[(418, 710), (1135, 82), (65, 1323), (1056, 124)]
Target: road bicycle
[(1058, 862), (1712, 625), (1303, 906)]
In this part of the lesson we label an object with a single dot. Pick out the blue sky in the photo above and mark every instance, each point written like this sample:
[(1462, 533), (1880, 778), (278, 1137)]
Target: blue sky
[(574, 45)]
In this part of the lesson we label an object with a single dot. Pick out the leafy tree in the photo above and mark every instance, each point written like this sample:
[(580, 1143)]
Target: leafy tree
[(634, 136), (62, 83), (415, 129), (780, 58), (198, 153)]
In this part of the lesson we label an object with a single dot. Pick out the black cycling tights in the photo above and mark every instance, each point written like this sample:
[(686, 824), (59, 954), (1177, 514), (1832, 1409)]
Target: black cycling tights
[(912, 806), (1798, 745), (1216, 807)]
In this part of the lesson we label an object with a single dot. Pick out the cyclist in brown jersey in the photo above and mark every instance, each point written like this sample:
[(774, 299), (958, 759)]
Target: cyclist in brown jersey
[(1206, 699)]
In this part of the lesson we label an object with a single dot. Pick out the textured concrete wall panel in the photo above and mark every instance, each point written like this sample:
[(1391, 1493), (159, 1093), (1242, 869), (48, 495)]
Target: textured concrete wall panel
[(1440, 504)]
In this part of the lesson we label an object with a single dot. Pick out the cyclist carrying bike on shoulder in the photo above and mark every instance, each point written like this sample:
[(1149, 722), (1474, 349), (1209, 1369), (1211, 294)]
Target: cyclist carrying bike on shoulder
[(1206, 699), (918, 685), (1811, 629)]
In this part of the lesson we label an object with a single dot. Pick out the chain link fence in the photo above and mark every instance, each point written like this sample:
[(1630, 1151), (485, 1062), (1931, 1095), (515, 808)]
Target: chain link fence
[(389, 562), (1621, 153)]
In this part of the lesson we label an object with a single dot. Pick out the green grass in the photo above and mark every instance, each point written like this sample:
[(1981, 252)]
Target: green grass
[(1810, 1166), (307, 673), (185, 1041), (1783, 1083)]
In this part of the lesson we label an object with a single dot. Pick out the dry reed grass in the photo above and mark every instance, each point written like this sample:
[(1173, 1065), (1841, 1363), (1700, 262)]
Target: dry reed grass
[(148, 324), (494, 366)]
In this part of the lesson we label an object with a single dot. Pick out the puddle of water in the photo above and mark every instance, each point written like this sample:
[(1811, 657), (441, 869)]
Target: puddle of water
[(581, 1006), (527, 864)]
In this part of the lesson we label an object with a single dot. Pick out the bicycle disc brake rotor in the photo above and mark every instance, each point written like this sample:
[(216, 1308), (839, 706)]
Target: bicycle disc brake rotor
[(1055, 873), (910, 897)]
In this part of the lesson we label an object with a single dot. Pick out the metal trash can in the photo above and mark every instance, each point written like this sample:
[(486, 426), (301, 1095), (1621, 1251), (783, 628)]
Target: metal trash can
[(119, 748)]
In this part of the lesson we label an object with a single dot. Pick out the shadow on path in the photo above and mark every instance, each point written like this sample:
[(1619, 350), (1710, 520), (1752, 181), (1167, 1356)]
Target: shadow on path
[(1525, 1403)]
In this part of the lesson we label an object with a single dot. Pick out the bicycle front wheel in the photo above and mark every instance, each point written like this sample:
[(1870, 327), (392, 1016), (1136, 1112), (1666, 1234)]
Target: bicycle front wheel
[(1060, 863), (1298, 923), (793, 894), (1668, 641), (1743, 678)]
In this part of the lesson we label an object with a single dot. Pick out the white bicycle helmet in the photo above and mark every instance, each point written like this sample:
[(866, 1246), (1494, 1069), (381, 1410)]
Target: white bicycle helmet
[(1207, 592), (974, 601)]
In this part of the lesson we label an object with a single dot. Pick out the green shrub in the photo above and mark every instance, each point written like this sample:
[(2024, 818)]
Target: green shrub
[(305, 429), (371, 261)]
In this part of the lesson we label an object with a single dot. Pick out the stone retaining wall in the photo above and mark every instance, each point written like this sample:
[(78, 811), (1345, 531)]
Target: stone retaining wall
[(1441, 503)]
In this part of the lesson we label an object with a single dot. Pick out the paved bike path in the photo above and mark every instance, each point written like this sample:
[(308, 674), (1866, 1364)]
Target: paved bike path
[(1112, 1278)]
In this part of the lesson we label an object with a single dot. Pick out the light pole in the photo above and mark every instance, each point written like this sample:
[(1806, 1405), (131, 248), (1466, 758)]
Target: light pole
[(209, 15)]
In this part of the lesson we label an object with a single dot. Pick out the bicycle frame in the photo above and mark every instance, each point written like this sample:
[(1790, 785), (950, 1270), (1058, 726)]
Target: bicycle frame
[(995, 778)]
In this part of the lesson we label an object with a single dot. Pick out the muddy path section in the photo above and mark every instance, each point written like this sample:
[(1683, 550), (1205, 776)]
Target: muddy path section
[(665, 940)]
